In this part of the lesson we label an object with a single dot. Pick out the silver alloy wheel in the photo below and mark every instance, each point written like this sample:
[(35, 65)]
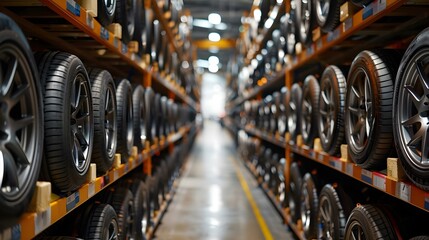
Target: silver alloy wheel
[(322, 10), (305, 208), (327, 111), (112, 230), (290, 37), (293, 117), (326, 228), (130, 11), (110, 122), (281, 190), (306, 110), (360, 111), (304, 25), (356, 231), (110, 6), (291, 200), (129, 122), (18, 129), (413, 115), (80, 122)]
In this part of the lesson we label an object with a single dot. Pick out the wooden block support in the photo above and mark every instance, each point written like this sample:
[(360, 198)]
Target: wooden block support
[(134, 152), (317, 145), (92, 173), (117, 160), (147, 59), (90, 6), (299, 141), (299, 225), (147, 145), (41, 197), (395, 170), (347, 10), (116, 29), (344, 152), (316, 34), (298, 48), (133, 47)]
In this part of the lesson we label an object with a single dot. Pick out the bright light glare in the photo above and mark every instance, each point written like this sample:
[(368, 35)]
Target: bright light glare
[(213, 68), (268, 23), (214, 18), (214, 37), (213, 50), (213, 60), (257, 14)]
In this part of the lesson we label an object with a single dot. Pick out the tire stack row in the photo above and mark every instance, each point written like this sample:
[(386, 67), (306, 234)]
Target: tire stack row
[(58, 117)]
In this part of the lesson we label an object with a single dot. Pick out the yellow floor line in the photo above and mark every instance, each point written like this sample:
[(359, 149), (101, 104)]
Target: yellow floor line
[(261, 221)]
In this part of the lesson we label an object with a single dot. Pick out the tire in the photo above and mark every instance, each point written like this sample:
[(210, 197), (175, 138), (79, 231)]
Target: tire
[(289, 29), (150, 113), (368, 117), (420, 238), (294, 193), (101, 223), (125, 15), (330, 215), (361, 3), (309, 110), (305, 21), (282, 118), (327, 14), (158, 119), (405, 126), (164, 110), (332, 101), (293, 111), (309, 206), (106, 12), (22, 128), (124, 101), (122, 201), (140, 24), (141, 210), (105, 120), (68, 133), (370, 223), (139, 113)]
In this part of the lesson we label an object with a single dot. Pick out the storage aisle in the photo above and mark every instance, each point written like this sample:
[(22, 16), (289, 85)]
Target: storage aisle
[(210, 202)]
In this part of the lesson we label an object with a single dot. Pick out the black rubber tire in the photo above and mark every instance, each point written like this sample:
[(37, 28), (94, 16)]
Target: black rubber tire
[(361, 3), (420, 238), (331, 137), (61, 74), (293, 110), (20, 143), (289, 29), (141, 211), (329, 201), (305, 33), (106, 12), (310, 106), (164, 110), (148, 38), (294, 192), (125, 15), (328, 21), (372, 222), (380, 67), (122, 200), (99, 222), (158, 120), (124, 101), (150, 114), (103, 89), (412, 160), (139, 113), (154, 193), (281, 117), (140, 24), (309, 206)]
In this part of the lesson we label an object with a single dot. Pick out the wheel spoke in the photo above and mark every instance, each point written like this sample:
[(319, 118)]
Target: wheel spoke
[(76, 95), (22, 123), (81, 119), (19, 93), (362, 133), (81, 139), (412, 91), (9, 76), (357, 127), (78, 151), (425, 147), (424, 79), (17, 150), (412, 120), (417, 137), (10, 170), (354, 110), (1, 169), (325, 98), (323, 112)]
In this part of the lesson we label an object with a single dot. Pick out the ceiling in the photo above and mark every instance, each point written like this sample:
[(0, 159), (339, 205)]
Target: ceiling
[(230, 11)]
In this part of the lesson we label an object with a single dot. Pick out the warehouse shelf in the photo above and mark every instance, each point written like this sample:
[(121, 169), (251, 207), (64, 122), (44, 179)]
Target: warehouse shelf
[(275, 139), (31, 224), (403, 190), (97, 45)]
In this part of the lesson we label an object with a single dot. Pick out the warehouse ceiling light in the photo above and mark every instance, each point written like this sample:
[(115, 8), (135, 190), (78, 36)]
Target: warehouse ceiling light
[(213, 60), (213, 68), (203, 23), (214, 37), (214, 18)]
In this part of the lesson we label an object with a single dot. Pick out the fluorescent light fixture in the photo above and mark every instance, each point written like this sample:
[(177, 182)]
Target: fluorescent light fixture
[(214, 37), (213, 68), (213, 60), (214, 18), (202, 23)]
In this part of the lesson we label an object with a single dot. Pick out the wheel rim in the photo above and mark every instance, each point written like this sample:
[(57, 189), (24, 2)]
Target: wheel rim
[(322, 10), (282, 194), (110, 122), (80, 122), (291, 200), (305, 209), (145, 220), (18, 131), (110, 6), (129, 126), (291, 40), (305, 19), (307, 110), (360, 111), (292, 118), (327, 111), (413, 113), (356, 231), (112, 230), (142, 123), (326, 227), (130, 16)]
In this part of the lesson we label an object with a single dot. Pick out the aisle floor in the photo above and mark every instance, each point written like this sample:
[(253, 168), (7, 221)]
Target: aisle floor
[(211, 203)]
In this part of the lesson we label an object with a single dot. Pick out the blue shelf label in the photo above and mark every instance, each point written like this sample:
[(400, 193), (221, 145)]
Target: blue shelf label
[(16, 232), (348, 24), (72, 200), (73, 7), (374, 8), (104, 34), (366, 176), (427, 201), (124, 48), (333, 35)]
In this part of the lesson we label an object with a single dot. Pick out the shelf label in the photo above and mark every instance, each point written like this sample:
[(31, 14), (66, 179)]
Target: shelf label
[(104, 34), (319, 44), (310, 50), (311, 153), (336, 164), (126, 166), (333, 35), (349, 169), (427, 201), (124, 49), (91, 189), (72, 200), (348, 24), (42, 220), (320, 157), (366, 176), (115, 42), (115, 175), (73, 7), (373, 8), (89, 21), (379, 181), (13, 233), (403, 191)]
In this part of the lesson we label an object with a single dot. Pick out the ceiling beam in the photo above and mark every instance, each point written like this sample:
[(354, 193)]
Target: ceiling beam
[(207, 44)]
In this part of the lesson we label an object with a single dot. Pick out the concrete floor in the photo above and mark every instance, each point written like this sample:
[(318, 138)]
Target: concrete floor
[(210, 202)]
